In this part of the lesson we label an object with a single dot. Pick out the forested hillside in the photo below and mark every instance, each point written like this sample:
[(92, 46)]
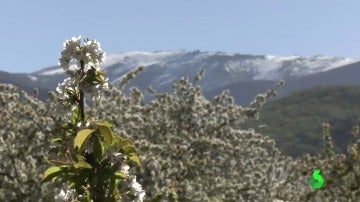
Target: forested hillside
[(295, 121)]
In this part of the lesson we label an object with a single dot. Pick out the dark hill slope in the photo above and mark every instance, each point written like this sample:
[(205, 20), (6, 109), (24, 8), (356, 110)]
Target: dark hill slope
[(245, 91), (344, 76), (295, 121)]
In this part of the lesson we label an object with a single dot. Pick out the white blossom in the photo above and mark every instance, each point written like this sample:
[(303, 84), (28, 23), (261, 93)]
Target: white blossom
[(136, 190), (64, 196), (93, 52), (278, 200), (125, 169), (71, 50), (118, 158), (68, 83), (81, 126)]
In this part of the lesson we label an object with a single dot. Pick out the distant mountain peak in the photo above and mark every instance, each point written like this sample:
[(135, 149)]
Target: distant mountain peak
[(244, 72)]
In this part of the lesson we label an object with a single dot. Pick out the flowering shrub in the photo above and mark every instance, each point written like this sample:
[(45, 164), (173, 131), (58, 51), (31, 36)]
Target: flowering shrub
[(25, 123), (194, 149)]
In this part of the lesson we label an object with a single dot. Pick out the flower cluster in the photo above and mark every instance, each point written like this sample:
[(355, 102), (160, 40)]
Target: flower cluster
[(85, 75), (90, 53), (67, 91), (136, 190), (64, 195)]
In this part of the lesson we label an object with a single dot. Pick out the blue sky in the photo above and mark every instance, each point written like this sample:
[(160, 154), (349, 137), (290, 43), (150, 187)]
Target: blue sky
[(32, 32)]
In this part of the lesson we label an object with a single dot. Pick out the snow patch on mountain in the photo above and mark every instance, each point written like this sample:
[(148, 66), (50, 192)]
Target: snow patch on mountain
[(279, 66), (164, 67), (165, 79), (52, 71), (33, 78), (140, 58)]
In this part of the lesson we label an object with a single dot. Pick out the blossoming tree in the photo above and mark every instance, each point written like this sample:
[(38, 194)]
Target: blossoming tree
[(89, 159)]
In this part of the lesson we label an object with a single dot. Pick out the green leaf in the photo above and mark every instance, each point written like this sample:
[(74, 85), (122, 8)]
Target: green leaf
[(82, 165), (99, 79), (98, 149), (47, 160), (104, 123), (156, 198), (81, 137), (120, 175), (75, 115), (106, 134), (127, 150), (134, 158), (116, 140), (51, 173), (108, 123), (57, 139), (126, 142)]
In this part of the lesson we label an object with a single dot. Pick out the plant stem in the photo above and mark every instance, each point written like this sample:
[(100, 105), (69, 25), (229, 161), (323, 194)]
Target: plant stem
[(81, 102), (81, 105)]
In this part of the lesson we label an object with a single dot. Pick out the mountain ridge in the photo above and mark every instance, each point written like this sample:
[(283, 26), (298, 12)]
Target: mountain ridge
[(162, 68)]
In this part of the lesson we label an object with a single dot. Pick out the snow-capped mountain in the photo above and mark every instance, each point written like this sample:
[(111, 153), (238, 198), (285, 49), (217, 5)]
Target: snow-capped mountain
[(221, 69), (248, 74)]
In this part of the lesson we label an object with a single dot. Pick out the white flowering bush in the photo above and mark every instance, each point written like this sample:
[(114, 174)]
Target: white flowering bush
[(25, 123), (194, 149), (90, 161)]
